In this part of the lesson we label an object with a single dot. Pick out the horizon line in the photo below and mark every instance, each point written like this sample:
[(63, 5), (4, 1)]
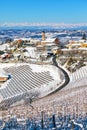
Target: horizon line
[(26, 24)]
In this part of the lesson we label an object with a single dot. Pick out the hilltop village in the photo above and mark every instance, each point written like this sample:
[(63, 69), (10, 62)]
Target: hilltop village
[(72, 55)]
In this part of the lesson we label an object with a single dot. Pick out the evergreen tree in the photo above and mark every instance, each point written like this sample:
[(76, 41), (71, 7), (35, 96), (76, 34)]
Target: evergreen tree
[(84, 36)]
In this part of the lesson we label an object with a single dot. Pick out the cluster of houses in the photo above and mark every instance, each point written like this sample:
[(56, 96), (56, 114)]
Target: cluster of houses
[(27, 49), (80, 44)]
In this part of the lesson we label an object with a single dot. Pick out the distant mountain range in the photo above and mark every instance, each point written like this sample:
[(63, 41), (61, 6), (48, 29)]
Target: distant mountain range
[(44, 25)]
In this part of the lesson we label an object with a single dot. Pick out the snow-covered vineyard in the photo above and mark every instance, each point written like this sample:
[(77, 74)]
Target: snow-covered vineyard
[(42, 80), (29, 78)]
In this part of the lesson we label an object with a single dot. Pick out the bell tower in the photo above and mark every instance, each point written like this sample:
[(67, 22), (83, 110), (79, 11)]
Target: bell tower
[(43, 36)]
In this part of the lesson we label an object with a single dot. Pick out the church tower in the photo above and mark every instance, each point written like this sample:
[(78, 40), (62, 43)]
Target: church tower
[(43, 36)]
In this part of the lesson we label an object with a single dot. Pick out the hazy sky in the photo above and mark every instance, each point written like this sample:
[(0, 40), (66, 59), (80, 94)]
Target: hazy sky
[(50, 11)]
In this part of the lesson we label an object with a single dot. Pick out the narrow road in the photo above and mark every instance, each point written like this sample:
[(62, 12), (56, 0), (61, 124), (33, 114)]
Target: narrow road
[(67, 79)]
